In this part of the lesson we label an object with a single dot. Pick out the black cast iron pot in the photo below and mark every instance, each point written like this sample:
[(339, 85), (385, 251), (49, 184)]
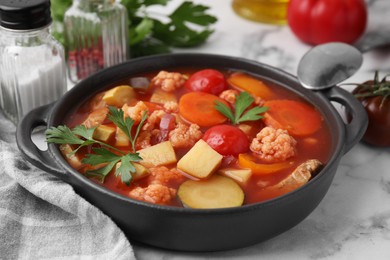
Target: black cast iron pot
[(192, 229)]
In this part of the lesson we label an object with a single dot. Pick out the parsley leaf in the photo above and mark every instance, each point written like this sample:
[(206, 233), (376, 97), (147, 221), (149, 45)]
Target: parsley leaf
[(105, 157), (243, 101), (126, 167), (188, 26), (193, 13), (225, 110), (110, 160), (85, 132), (62, 135), (253, 114), (142, 30)]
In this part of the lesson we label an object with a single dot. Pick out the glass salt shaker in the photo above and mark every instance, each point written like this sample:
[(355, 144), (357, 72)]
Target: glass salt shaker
[(96, 36), (32, 62)]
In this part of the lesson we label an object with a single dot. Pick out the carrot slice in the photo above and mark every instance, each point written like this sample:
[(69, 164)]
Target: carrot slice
[(247, 161), (199, 108), (298, 118), (250, 84)]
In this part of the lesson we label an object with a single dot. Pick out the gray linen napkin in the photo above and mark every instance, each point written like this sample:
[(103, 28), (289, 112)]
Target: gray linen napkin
[(42, 217)]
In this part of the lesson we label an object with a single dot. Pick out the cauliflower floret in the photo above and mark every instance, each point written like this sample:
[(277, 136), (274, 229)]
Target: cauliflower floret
[(169, 81), (273, 145), (154, 193), (171, 106), (135, 112), (162, 175), (184, 135), (157, 190), (231, 94)]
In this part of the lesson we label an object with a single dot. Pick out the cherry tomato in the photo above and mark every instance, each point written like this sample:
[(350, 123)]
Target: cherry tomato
[(378, 111), (208, 80), (226, 140), (322, 21)]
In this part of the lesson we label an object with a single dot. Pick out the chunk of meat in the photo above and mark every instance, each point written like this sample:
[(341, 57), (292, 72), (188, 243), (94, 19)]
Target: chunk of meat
[(154, 193), (231, 94), (96, 118), (273, 145), (169, 81), (97, 102), (135, 112), (185, 136), (144, 140), (153, 120), (298, 177)]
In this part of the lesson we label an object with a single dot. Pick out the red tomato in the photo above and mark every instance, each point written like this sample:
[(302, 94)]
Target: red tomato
[(322, 21), (208, 80), (226, 140), (378, 110)]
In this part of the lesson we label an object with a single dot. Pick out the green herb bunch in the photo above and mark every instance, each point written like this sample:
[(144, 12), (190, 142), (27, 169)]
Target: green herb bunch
[(151, 33), (103, 153)]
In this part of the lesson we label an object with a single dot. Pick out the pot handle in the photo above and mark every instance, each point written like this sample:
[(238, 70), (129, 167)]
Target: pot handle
[(357, 125), (41, 159)]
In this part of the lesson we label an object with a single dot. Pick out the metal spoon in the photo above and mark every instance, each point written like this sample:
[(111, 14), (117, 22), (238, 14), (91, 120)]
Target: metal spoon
[(326, 65)]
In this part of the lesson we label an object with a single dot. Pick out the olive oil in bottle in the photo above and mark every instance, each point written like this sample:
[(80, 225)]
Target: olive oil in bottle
[(266, 11)]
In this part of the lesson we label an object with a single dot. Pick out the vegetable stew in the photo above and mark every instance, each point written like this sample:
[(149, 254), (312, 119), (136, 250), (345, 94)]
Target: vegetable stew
[(198, 138)]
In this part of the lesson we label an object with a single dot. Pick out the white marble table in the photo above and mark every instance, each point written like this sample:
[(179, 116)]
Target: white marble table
[(353, 220)]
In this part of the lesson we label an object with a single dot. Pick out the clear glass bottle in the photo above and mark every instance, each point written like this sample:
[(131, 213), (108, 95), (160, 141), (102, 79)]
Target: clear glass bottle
[(32, 62), (96, 36)]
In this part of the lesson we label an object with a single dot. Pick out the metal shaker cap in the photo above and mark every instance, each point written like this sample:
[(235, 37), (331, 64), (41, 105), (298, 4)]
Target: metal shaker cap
[(24, 14)]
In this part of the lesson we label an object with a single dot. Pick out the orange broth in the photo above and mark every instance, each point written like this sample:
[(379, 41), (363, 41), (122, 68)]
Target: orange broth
[(254, 188)]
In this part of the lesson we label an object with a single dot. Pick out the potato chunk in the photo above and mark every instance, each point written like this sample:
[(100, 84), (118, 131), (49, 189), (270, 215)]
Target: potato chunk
[(119, 96), (200, 161), (121, 138), (104, 133), (239, 175), (159, 154), (73, 159)]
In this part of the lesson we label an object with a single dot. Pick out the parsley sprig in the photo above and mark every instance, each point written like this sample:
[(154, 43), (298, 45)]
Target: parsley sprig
[(103, 153), (126, 124), (240, 113), (152, 33)]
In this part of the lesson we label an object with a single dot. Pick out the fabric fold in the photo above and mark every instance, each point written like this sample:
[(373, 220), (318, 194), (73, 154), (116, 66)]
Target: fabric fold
[(42, 217)]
